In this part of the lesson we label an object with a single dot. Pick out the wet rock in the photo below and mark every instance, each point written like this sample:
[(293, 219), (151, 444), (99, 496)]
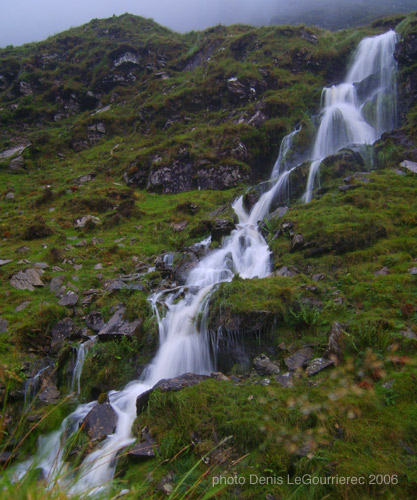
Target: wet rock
[(285, 380), (317, 365), (336, 343), (64, 330), (100, 422), (3, 325), (221, 228), (49, 393), (250, 199), (118, 327), (70, 299), (27, 279), (95, 321), (264, 366), (297, 242), (299, 359), (183, 267)]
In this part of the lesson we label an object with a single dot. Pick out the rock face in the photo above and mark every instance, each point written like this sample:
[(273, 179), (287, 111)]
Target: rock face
[(171, 384), (95, 321), (26, 280), (118, 327), (65, 329), (100, 422)]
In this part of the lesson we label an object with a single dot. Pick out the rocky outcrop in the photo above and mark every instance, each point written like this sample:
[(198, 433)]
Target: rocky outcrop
[(264, 366), (63, 331), (299, 359), (406, 55)]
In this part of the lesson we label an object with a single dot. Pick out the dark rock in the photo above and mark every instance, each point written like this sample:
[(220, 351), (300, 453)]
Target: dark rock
[(285, 380), (238, 90), (183, 267), (49, 394), (297, 242), (27, 279), (70, 299), (264, 366), (100, 422), (7, 457), (118, 327), (94, 321), (382, 272), (221, 228), (142, 401), (119, 284), (348, 187), (287, 272), (220, 176), (299, 359), (65, 329), (144, 449), (317, 365), (174, 178), (250, 199)]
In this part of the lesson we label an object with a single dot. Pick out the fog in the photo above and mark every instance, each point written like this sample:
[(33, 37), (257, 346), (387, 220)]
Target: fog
[(23, 21)]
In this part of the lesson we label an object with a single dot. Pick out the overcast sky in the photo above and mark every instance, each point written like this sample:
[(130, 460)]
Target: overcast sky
[(24, 21)]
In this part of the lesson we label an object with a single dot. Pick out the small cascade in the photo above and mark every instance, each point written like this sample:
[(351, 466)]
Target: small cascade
[(185, 342), (357, 111), (82, 350), (32, 385)]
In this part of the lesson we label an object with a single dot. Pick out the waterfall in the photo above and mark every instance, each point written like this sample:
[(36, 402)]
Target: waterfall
[(357, 111), (185, 342), (82, 350)]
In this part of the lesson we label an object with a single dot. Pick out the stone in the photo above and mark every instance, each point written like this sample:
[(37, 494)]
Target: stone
[(411, 166), (18, 150), (98, 267), (285, 380), (56, 283), (285, 272), (100, 422), (264, 366), (118, 327), (408, 334), (94, 321), (49, 394), (317, 365), (84, 178), (144, 449), (413, 270), (70, 299), (3, 262), (27, 279), (299, 359), (3, 325), (297, 242), (334, 349), (40, 265), (10, 196), (119, 284)]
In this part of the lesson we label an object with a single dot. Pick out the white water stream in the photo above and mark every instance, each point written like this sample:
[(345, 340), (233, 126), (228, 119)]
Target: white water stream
[(185, 343)]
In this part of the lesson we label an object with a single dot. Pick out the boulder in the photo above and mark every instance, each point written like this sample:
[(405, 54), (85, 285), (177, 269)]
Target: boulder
[(70, 299), (299, 359), (264, 366), (27, 279), (411, 166), (100, 422), (118, 327)]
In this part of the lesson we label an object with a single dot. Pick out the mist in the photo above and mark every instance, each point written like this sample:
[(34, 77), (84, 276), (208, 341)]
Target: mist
[(23, 21)]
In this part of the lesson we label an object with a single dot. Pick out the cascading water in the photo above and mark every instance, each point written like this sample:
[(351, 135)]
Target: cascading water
[(185, 343), (359, 110)]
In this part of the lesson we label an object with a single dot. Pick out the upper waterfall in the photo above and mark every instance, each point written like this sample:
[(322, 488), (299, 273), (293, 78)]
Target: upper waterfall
[(359, 110)]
